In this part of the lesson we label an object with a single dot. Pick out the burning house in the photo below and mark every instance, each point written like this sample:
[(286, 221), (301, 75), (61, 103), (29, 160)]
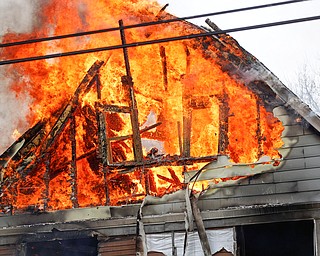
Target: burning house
[(176, 147)]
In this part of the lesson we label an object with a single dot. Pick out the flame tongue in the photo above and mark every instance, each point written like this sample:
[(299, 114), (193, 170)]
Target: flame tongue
[(202, 110)]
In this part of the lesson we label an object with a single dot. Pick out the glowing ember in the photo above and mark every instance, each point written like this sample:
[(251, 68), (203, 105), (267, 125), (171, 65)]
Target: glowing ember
[(177, 84)]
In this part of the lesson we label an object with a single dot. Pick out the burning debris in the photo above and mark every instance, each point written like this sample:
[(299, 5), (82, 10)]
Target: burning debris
[(92, 144)]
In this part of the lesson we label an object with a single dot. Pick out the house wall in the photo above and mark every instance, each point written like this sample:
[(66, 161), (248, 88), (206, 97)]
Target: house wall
[(296, 181), (7, 250), (123, 246), (290, 193)]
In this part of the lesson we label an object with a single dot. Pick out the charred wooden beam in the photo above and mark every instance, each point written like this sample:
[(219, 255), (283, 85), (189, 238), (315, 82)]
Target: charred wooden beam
[(174, 180), (146, 180), (166, 179), (113, 108), (29, 140), (131, 136), (200, 226), (73, 165), (188, 59), (187, 111), (224, 112), (1, 177), (187, 119), (165, 161), (180, 138), (158, 16), (21, 151), (212, 25), (104, 148), (94, 150), (71, 106), (46, 178), (174, 176), (164, 67), (104, 145), (127, 82), (259, 131)]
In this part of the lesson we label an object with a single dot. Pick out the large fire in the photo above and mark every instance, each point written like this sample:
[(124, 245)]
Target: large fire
[(178, 86)]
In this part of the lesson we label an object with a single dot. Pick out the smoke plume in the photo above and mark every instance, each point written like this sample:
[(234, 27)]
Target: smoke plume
[(17, 16)]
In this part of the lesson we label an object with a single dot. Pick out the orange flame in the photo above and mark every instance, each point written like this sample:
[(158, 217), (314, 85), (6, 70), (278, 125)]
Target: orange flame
[(191, 86)]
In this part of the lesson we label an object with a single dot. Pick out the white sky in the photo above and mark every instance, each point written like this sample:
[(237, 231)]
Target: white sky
[(283, 49)]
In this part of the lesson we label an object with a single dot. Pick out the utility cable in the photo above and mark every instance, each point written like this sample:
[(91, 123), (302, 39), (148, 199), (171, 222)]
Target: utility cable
[(157, 41), (37, 40)]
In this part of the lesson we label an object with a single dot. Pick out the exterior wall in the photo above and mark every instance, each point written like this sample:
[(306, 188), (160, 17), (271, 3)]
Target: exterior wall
[(290, 193), (7, 250), (124, 246), (296, 181)]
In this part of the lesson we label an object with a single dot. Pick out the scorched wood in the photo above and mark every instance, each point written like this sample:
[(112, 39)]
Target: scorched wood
[(164, 67), (163, 161), (200, 226), (71, 106), (224, 110), (73, 166), (127, 82), (187, 111), (104, 145), (258, 131)]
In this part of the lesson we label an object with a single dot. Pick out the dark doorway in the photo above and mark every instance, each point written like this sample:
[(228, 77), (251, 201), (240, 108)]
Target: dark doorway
[(69, 247), (277, 239)]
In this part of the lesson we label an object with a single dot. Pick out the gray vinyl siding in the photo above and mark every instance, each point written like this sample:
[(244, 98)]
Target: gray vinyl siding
[(297, 181)]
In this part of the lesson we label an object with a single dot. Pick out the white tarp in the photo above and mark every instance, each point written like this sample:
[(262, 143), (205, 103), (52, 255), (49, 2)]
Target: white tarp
[(218, 238)]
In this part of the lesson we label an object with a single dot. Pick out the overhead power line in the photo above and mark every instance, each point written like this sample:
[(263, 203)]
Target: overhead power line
[(37, 40), (157, 41)]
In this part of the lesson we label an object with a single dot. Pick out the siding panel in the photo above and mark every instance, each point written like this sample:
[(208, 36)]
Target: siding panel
[(312, 162), (121, 247), (308, 140), (8, 250), (293, 164), (300, 152), (295, 175), (312, 150), (249, 201), (292, 130)]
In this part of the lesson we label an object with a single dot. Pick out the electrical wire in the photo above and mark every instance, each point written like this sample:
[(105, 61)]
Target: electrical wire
[(157, 41), (37, 40)]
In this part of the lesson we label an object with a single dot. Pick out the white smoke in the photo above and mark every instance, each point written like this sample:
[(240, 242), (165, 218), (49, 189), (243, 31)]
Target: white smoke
[(17, 16), (13, 112)]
